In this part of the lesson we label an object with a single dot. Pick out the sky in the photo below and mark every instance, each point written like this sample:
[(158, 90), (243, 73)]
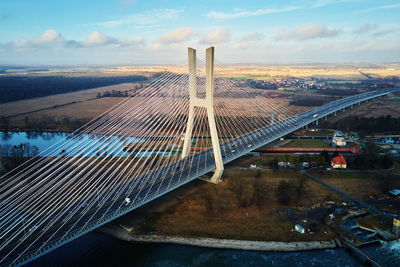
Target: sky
[(135, 32)]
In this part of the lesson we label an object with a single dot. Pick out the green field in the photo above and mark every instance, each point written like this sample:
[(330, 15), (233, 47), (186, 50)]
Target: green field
[(307, 143), (344, 81), (255, 78)]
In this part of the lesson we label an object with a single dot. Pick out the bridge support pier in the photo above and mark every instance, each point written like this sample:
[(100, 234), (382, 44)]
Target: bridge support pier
[(208, 104)]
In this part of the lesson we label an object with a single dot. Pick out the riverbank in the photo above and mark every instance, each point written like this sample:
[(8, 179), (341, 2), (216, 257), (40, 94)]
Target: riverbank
[(122, 234)]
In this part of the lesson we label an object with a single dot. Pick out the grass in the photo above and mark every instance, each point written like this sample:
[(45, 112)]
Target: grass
[(376, 108), (268, 78), (307, 143), (48, 102), (396, 166), (190, 217), (380, 222), (342, 82), (344, 175)]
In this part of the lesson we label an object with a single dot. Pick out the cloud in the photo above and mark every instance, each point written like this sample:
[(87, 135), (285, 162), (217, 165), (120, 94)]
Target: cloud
[(367, 27), (376, 29), (242, 13), (256, 36), (145, 18), (20, 44), (306, 32), (133, 42), (52, 39), (220, 35), (50, 36), (378, 8), (176, 36), (322, 3), (153, 26), (252, 40), (97, 39), (385, 32)]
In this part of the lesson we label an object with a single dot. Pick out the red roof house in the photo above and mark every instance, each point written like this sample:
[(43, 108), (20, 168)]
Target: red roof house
[(339, 162)]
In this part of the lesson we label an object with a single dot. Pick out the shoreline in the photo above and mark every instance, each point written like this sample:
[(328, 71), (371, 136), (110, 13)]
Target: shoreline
[(120, 233)]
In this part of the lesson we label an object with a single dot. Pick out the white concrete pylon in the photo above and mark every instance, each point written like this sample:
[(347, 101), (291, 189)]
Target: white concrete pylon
[(208, 103)]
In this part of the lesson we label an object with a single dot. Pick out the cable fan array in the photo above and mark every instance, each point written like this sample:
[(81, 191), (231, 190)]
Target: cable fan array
[(126, 157)]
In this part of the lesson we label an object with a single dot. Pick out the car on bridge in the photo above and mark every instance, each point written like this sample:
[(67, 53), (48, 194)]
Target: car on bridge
[(127, 201), (33, 228)]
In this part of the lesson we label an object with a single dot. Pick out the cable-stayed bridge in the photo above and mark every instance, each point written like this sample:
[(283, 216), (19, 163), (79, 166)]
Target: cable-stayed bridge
[(178, 128)]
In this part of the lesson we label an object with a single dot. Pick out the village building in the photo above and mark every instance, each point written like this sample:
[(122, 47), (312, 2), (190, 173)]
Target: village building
[(339, 162), (338, 139)]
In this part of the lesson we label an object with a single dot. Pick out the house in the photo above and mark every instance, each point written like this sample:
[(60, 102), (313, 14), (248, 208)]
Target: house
[(338, 139), (299, 228), (339, 162), (282, 164), (396, 226)]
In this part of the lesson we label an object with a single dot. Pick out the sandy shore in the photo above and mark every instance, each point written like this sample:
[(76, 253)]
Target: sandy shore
[(120, 233)]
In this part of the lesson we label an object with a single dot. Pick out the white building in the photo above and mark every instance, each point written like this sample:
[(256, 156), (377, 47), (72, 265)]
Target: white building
[(338, 139)]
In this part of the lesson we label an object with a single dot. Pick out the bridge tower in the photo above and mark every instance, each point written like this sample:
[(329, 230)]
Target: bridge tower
[(208, 104)]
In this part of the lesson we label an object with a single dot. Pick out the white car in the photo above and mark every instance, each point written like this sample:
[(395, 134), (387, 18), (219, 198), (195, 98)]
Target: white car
[(33, 228), (233, 150), (249, 146), (127, 201)]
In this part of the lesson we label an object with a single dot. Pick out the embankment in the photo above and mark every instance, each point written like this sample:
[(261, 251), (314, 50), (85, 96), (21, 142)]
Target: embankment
[(120, 233)]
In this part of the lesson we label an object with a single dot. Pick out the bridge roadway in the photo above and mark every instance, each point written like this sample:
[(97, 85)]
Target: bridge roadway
[(156, 184)]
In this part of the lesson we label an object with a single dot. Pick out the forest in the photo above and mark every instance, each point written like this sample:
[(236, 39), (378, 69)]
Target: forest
[(363, 125), (13, 88)]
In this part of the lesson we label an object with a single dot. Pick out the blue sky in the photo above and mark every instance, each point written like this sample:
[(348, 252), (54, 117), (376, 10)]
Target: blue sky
[(158, 32)]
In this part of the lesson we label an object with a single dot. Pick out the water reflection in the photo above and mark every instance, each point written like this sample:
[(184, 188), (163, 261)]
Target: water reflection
[(5, 136), (56, 144)]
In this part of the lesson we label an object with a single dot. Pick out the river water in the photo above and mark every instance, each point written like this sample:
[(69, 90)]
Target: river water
[(96, 249)]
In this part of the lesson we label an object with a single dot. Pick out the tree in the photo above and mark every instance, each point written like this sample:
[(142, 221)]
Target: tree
[(286, 157), (299, 187), (325, 154), (386, 162), (4, 123), (261, 192), (385, 181), (274, 164), (243, 191), (217, 198), (283, 192)]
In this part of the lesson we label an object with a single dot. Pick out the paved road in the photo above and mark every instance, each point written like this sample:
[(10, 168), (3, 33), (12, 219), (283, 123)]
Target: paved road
[(81, 220)]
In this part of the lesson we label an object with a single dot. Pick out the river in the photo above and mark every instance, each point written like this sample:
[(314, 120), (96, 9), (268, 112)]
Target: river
[(96, 249)]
